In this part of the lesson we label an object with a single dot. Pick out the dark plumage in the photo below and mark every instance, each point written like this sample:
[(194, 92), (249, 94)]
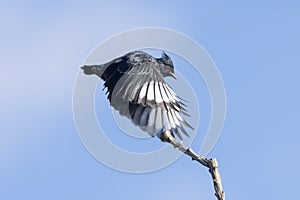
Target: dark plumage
[(136, 88)]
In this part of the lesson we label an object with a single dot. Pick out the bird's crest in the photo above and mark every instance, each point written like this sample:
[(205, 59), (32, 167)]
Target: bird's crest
[(164, 55)]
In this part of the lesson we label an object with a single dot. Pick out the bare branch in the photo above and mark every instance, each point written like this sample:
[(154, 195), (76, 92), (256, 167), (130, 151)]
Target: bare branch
[(211, 163)]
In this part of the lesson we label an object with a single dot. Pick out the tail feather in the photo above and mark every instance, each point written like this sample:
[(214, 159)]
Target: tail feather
[(104, 71), (94, 69)]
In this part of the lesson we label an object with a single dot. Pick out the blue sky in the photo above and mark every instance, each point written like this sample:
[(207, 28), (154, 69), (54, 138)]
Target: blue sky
[(255, 45)]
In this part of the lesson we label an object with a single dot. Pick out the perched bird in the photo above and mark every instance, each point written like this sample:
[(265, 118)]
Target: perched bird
[(136, 88)]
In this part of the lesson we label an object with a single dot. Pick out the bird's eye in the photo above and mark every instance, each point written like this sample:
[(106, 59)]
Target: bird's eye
[(168, 67)]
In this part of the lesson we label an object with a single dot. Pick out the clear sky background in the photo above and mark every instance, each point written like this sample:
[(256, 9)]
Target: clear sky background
[(255, 45)]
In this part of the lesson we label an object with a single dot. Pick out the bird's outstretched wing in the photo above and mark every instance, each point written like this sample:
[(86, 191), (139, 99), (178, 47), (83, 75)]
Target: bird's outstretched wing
[(137, 90)]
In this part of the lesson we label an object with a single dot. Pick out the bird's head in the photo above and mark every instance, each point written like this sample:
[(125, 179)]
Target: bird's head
[(167, 67)]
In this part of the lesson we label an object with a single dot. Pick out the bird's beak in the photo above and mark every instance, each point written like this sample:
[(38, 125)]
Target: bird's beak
[(173, 75)]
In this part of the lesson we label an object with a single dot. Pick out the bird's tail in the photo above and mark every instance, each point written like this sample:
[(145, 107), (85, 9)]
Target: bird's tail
[(94, 69)]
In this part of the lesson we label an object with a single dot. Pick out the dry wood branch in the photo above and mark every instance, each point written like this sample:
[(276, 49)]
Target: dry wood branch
[(211, 163)]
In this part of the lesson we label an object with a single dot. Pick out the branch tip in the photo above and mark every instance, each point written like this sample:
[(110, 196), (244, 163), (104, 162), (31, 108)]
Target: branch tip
[(211, 164)]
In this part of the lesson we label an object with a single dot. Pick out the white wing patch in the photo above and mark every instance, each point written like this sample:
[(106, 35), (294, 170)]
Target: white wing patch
[(157, 109), (158, 98), (142, 93), (150, 92)]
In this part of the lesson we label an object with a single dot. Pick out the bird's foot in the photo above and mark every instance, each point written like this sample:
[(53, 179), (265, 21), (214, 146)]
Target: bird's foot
[(166, 136)]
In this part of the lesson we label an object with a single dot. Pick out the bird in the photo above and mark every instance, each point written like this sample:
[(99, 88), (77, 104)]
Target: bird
[(136, 87)]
